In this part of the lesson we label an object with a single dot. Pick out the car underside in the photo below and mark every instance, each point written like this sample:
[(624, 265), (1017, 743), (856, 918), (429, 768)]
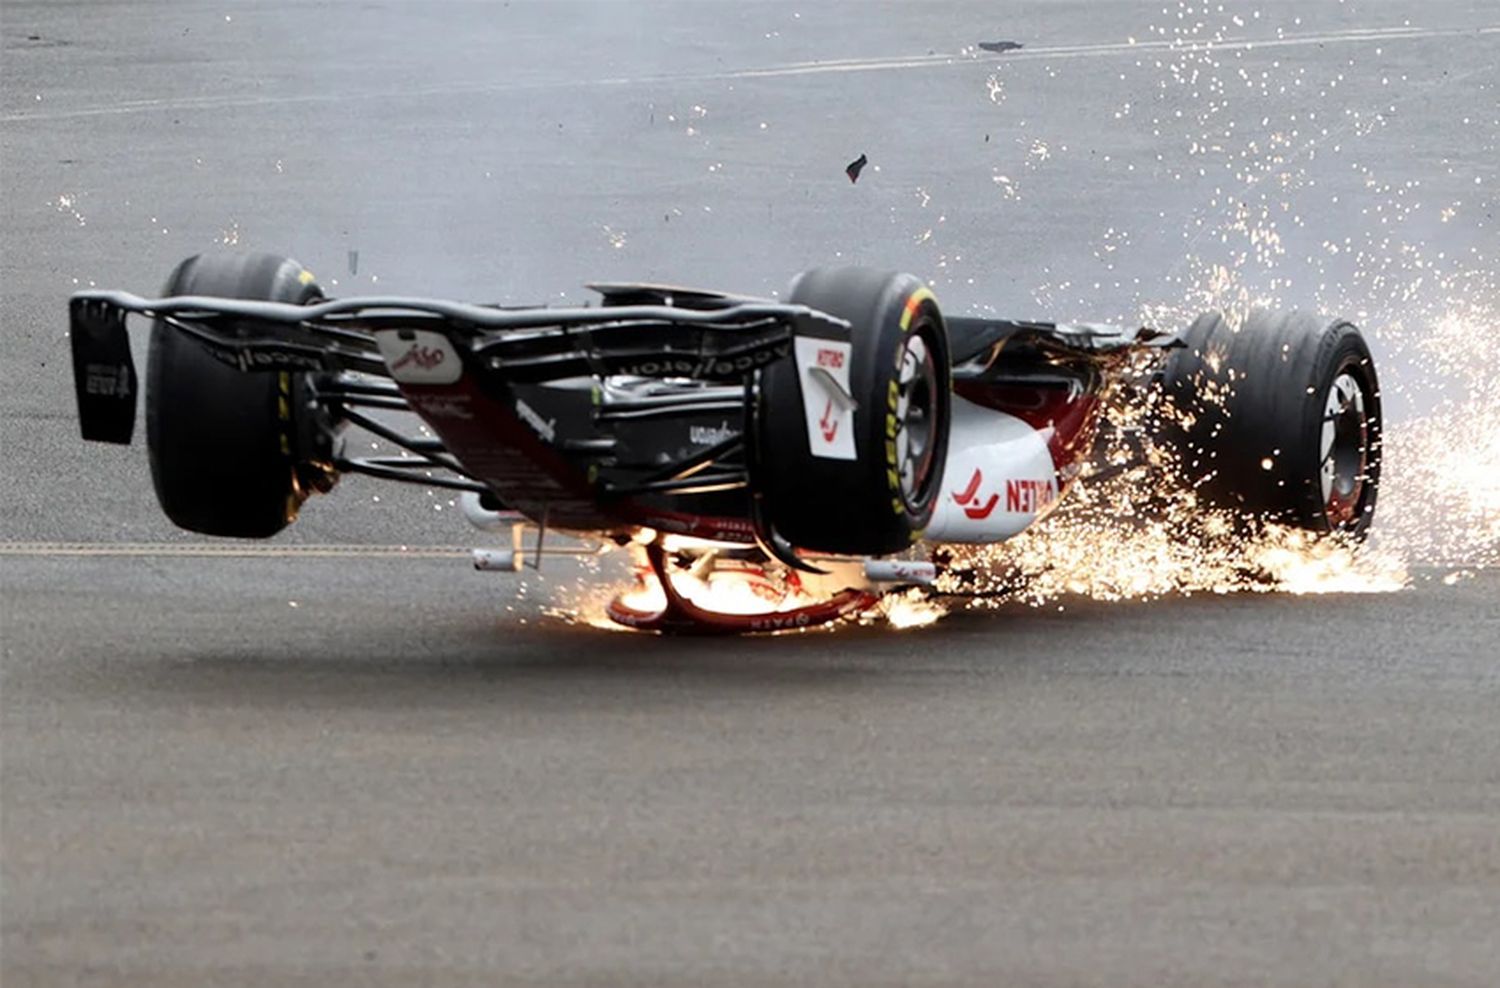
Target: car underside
[(803, 451)]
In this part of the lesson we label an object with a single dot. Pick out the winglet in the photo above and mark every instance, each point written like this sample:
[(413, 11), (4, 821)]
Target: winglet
[(103, 371)]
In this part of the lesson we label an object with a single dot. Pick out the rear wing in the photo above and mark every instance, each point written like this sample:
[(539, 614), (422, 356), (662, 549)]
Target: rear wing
[(719, 341)]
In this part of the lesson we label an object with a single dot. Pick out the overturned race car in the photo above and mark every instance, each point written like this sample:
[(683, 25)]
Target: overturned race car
[(771, 465)]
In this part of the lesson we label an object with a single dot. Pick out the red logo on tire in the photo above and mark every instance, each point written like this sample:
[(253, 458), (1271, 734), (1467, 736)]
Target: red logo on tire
[(968, 499), (828, 423)]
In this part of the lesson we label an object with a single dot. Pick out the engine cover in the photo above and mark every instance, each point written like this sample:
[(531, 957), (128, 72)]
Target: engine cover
[(999, 479)]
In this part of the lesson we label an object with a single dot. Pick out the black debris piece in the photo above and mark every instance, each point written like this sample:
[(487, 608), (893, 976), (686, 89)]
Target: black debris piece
[(353, 263), (999, 47), (855, 167)]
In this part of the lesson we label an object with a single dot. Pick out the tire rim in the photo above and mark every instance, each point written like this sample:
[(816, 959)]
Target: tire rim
[(1345, 451), (916, 407)]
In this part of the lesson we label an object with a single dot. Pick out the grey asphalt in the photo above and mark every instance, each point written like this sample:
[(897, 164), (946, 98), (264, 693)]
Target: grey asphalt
[(415, 775)]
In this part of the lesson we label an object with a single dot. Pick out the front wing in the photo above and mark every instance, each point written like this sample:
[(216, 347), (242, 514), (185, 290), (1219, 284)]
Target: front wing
[(497, 346)]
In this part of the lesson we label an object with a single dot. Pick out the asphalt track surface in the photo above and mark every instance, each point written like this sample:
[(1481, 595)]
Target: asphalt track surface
[(326, 762)]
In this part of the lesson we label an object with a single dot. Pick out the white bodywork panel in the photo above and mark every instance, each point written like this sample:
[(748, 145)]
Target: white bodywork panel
[(823, 366), (1000, 477), (419, 356)]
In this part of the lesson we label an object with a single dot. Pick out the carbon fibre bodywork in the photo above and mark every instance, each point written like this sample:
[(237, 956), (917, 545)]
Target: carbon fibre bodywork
[(632, 414)]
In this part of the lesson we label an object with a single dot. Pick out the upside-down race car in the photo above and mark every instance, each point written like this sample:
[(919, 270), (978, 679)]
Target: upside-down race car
[(808, 455)]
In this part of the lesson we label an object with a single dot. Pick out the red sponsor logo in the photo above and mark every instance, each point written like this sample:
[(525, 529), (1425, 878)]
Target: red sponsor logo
[(719, 529), (828, 423), (830, 358), (443, 406), (1027, 495), (968, 499), (776, 622), (423, 357)]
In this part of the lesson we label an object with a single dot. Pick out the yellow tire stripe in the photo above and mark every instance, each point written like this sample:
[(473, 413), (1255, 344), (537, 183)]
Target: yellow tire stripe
[(893, 477), (913, 303)]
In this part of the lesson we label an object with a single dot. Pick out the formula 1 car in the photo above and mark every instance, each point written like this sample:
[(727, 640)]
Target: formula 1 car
[(805, 456)]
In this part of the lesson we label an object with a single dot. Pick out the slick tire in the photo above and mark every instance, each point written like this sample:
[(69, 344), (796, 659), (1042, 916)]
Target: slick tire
[(223, 443), (900, 380), (1279, 420)]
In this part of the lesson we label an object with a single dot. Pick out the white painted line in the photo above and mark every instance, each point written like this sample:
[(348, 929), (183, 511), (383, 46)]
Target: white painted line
[(231, 550), (889, 63), (1102, 50)]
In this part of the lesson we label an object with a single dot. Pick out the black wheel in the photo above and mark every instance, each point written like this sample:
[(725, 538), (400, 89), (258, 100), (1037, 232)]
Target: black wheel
[(879, 500), (1280, 419), (225, 445)]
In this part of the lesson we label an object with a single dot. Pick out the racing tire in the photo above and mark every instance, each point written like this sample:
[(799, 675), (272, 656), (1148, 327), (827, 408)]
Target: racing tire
[(900, 379), (223, 443), (1279, 420)]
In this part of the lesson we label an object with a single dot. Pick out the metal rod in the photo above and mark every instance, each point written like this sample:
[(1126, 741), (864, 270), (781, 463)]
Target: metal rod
[(541, 535), (345, 385), (698, 484), (679, 398), (368, 401), (605, 414), (699, 461), (391, 435), (405, 476), (413, 462), (362, 341)]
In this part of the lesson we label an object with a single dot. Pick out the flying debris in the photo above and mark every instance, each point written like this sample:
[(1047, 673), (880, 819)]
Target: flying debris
[(1000, 47), (353, 263), (855, 167)]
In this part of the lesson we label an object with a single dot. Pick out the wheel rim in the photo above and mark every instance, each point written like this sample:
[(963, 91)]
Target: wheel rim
[(916, 413), (1345, 450)]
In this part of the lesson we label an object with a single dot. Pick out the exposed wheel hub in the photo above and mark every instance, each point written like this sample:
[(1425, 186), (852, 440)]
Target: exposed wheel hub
[(915, 410), (1343, 469)]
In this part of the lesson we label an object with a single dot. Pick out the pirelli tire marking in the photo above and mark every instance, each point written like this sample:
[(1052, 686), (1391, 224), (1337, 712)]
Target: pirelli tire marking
[(284, 410), (909, 311), (892, 467), (295, 496)]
